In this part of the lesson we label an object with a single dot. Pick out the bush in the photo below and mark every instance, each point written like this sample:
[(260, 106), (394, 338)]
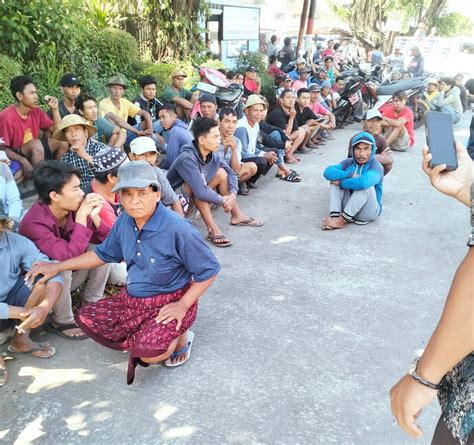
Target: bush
[(268, 89), (251, 59), (162, 73), (8, 68)]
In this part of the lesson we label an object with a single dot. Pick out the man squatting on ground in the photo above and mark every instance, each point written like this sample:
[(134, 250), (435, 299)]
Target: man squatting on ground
[(169, 267)]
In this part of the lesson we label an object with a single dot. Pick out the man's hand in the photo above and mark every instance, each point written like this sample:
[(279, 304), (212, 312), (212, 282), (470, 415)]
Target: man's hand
[(408, 398), (34, 317), (292, 112), (92, 203), (27, 168), (271, 156), (172, 311), (454, 183), (52, 102), (287, 146), (229, 202), (160, 138), (148, 132), (230, 142), (80, 150), (48, 270)]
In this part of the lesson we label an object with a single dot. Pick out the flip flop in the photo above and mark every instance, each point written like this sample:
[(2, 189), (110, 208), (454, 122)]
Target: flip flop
[(186, 350), (251, 222), (214, 240), (292, 177), (3, 375), (40, 346), (64, 327)]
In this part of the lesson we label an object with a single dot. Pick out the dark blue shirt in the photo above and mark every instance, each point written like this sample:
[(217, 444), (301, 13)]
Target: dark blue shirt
[(162, 257)]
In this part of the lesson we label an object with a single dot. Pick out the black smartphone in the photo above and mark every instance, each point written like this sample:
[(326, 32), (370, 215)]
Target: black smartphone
[(440, 139)]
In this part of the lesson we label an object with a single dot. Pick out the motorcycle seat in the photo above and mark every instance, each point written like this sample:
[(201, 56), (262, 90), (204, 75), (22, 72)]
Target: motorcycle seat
[(229, 94), (388, 90)]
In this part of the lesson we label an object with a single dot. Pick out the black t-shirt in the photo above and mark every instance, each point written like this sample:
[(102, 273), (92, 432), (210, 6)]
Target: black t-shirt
[(469, 85), (303, 115), (380, 143), (279, 119)]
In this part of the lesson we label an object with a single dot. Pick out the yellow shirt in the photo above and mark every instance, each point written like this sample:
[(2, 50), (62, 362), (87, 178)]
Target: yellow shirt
[(127, 109)]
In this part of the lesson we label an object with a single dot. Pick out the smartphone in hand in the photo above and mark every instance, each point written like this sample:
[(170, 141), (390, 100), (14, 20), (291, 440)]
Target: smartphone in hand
[(440, 139)]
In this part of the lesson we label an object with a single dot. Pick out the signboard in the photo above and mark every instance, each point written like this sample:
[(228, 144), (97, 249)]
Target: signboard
[(241, 23)]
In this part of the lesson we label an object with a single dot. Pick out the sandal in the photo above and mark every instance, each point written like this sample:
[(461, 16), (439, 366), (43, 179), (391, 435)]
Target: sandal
[(251, 222), (59, 330), (219, 240), (186, 350), (40, 347), (292, 177)]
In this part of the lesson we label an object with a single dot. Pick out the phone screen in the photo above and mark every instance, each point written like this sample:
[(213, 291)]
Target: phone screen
[(440, 139)]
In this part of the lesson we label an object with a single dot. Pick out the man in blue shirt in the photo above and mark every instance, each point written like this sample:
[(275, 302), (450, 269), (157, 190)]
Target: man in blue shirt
[(169, 267), (18, 300)]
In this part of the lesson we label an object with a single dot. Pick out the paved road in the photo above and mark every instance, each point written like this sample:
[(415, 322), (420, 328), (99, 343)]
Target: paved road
[(297, 342)]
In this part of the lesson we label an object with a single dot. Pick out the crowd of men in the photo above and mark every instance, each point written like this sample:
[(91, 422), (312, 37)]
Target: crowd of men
[(116, 180)]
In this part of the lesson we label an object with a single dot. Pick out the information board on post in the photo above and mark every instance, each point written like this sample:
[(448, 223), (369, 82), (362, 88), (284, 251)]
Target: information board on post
[(241, 23)]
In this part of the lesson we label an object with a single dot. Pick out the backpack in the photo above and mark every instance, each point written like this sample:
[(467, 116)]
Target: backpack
[(283, 57)]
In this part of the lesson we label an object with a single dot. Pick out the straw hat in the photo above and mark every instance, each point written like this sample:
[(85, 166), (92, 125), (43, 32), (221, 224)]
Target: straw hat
[(69, 121)]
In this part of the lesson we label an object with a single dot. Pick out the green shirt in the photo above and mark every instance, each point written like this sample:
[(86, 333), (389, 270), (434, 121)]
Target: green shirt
[(169, 94)]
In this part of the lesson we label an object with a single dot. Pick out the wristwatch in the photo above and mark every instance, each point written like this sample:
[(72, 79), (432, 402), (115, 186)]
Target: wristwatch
[(412, 372)]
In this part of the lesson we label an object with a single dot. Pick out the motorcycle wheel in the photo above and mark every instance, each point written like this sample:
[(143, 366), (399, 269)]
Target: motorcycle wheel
[(419, 113)]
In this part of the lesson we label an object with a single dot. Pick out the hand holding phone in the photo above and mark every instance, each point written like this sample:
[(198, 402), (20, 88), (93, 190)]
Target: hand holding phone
[(440, 139)]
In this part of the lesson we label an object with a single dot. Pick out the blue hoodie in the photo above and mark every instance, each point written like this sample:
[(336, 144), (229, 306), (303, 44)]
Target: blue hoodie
[(370, 173), (179, 135), (191, 169)]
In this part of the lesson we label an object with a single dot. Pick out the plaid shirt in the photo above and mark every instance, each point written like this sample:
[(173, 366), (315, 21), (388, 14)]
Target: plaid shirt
[(87, 170)]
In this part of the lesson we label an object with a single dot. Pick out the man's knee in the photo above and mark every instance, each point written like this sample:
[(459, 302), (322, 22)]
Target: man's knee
[(33, 146), (221, 175)]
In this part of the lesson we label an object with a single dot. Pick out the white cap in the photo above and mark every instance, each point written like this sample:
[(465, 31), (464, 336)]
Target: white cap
[(372, 113), (142, 144), (300, 60)]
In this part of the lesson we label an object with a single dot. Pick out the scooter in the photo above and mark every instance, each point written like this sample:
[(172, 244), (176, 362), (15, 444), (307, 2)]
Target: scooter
[(214, 82), (350, 102)]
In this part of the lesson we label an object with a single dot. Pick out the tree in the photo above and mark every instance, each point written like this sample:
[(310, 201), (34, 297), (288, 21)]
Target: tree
[(452, 25)]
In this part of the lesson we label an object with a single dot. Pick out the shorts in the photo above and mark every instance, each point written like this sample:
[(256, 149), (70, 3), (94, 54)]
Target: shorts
[(18, 296), (402, 143)]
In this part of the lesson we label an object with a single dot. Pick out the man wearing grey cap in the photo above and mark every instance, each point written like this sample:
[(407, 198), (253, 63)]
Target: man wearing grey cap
[(169, 267)]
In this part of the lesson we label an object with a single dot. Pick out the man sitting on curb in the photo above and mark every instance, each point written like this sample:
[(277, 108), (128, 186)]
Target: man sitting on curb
[(144, 149), (18, 300), (230, 150), (248, 129), (117, 110), (63, 224), (372, 124), (180, 97), (356, 186), (169, 268), (200, 170), (398, 123), (78, 134), (178, 134), (107, 133)]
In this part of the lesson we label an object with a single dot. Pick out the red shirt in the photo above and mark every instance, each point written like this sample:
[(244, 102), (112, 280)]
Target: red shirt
[(318, 108), (17, 131), (327, 52), (250, 85), (274, 71), (405, 113), (107, 214), (58, 242)]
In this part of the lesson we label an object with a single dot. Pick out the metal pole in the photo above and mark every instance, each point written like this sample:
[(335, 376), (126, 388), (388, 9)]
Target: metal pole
[(311, 17), (304, 14)]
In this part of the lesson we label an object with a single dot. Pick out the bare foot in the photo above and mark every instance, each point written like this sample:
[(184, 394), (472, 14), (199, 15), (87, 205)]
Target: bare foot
[(334, 223), (23, 343)]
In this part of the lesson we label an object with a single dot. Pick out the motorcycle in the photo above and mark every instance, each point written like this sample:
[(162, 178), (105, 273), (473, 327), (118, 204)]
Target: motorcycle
[(214, 82), (350, 102)]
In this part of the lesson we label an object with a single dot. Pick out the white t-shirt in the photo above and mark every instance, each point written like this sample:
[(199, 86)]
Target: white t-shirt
[(252, 132)]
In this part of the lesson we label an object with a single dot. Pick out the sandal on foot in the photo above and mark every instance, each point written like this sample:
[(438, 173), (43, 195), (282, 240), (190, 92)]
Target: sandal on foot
[(292, 177), (186, 350), (59, 330), (219, 240), (251, 222), (40, 347)]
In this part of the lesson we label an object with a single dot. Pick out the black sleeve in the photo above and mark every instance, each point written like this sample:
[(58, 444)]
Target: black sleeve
[(277, 119)]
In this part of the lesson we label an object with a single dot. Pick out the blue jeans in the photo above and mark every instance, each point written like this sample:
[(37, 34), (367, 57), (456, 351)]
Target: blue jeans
[(157, 128), (447, 109), (280, 152)]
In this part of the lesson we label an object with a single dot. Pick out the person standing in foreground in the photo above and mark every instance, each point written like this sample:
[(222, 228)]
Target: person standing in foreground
[(446, 367), (169, 267)]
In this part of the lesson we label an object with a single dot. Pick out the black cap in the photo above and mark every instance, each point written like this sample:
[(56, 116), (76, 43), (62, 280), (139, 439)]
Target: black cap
[(69, 80), (207, 97), (251, 69)]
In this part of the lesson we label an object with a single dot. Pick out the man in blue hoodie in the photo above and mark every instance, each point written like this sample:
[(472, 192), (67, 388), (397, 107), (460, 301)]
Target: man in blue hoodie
[(199, 170), (178, 136), (356, 186)]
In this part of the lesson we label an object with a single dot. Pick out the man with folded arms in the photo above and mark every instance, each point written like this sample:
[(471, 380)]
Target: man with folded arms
[(169, 269)]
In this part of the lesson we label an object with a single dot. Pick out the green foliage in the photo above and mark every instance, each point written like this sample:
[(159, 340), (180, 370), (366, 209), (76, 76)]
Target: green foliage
[(162, 73), (250, 59), (26, 24), (268, 88), (8, 68), (102, 14), (453, 25)]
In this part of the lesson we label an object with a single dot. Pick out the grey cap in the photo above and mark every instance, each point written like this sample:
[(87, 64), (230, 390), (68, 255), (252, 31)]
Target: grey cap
[(135, 175)]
